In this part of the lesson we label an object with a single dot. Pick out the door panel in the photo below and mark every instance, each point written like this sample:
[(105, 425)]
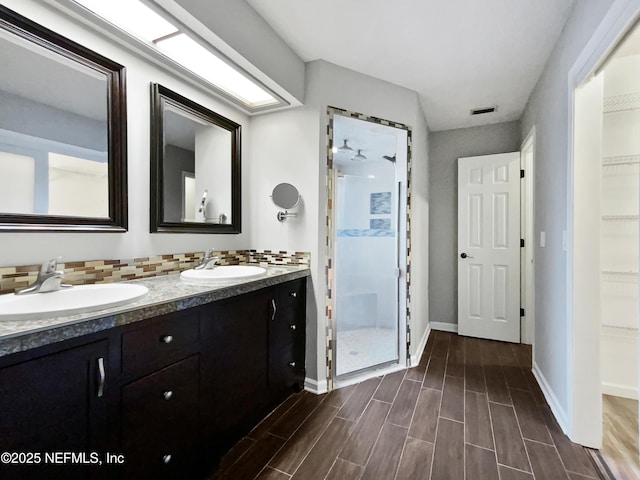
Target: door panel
[(489, 246)]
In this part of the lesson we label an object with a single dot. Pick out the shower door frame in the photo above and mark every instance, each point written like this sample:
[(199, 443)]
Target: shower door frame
[(404, 314)]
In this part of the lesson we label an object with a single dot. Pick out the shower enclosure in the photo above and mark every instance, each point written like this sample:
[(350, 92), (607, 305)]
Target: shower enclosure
[(368, 186)]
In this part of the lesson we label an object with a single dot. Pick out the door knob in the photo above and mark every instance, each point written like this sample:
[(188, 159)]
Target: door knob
[(464, 255)]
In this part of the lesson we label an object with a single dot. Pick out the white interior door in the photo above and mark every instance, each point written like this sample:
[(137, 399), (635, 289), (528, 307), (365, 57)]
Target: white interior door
[(489, 246)]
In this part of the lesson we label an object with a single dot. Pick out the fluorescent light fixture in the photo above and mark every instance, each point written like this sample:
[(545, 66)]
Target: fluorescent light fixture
[(193, 56), (371, 176), (136, 19), (131, 16)]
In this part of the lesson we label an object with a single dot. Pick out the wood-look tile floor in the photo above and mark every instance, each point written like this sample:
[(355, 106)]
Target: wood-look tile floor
[(620, 436), (470, 410)]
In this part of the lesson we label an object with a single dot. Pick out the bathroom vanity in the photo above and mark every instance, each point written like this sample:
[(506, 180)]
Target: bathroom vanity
[(162, 393)]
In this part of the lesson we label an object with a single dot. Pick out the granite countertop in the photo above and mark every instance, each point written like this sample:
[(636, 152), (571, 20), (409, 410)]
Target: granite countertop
[(166, 294)]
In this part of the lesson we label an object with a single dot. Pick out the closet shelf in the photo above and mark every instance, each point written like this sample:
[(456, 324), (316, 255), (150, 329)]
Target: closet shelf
[(615, 273), (618, 218), (621, 160), (621, 103)]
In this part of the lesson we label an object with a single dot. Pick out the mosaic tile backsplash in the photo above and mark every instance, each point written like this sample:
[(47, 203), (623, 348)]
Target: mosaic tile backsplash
[(380, 224), (380, 203), (106, 271)]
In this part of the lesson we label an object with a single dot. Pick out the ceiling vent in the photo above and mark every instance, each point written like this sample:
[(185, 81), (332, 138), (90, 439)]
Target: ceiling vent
[(482, 111)]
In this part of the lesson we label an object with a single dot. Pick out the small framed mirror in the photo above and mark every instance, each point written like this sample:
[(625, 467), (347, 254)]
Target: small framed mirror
[(195, 167), (63, 144)]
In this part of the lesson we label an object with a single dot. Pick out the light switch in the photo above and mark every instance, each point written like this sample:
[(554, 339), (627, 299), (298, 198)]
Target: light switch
[(543, 239)]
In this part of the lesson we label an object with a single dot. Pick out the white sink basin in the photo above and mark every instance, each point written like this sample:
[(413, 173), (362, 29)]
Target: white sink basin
[(223, 272), (68, 301)]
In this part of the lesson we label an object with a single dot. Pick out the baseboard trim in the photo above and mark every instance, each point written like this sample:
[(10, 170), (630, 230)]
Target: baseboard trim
[(552, 400), (444, 327), (415, 358), (620, 390), (314, 386)]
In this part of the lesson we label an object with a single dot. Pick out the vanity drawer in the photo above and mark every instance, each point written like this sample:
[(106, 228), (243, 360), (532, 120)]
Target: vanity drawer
[(288, 324), (171, 338), (160, 417)]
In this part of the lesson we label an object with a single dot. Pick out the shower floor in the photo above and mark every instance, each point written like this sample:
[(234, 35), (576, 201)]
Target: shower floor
[(364, 347)]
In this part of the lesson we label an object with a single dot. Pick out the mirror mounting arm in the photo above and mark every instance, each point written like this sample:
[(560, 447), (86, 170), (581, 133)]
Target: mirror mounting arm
[(282, 216)]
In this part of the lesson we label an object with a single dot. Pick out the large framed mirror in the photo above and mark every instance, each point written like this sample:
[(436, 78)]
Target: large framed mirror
[(63, 145), (195, 167)]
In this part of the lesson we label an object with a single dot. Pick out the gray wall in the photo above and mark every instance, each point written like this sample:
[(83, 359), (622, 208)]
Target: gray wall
[(547, 110), (445, 149), (23, 115), (176, 161)]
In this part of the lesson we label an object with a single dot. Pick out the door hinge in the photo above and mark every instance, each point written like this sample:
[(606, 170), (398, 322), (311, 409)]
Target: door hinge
[(521, 173), (522, 242), (522, 312)]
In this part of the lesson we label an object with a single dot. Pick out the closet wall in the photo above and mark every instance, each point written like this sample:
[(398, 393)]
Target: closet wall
[(619, 229)]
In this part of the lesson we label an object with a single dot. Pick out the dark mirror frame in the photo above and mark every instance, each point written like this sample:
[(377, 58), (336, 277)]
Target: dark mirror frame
[(117, 133), (159, 96)]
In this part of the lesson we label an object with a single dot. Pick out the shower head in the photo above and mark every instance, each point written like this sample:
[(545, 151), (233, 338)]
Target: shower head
[(345, 148), (359, 157), (391, 159)]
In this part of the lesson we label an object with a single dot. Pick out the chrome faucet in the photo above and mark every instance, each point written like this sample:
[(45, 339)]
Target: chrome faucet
[(49, 279), (209, 261)]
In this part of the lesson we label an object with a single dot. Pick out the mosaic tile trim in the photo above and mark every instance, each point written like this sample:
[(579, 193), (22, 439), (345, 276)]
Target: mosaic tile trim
[(329, 243), (373, 232), (107, 271), (379, 224), (380, 203)]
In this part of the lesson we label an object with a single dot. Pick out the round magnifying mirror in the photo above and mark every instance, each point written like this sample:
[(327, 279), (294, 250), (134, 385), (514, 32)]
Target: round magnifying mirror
[(285, 196)]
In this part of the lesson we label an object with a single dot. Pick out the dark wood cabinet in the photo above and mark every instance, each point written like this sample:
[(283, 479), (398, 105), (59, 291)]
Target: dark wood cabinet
[(54, 403), (234, 379), (169, 393), (160, 420), (287, 330)]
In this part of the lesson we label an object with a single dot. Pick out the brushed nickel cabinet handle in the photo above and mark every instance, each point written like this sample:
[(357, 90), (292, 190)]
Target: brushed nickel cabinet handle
[(293, 294), (273, 305), (292, 364), (167, 339), (167, 395), (292, 326), (102, 376), (166, 458)]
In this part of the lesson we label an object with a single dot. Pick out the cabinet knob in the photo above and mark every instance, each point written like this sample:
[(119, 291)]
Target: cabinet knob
[(167, 339), (293, 294), (167, 395), (166, 458), (292, 364), (292, 326)]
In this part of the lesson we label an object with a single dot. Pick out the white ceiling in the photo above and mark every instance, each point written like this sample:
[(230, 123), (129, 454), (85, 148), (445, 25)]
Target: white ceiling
[(457, 54)]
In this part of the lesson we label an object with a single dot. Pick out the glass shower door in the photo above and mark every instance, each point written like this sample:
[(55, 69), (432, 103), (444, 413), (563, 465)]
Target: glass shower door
[(366, 270)]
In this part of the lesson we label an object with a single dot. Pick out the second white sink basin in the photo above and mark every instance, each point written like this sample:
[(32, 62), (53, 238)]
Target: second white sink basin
[(69, 301), (223, 272)]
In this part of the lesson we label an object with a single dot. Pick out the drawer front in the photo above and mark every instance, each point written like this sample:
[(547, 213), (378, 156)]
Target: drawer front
[(171, 338), (289, 322), (160, 416)]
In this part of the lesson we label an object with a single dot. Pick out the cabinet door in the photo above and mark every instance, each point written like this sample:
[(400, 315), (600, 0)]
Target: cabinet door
[(54, 404), (234, 383), (287, 339), (160, 421)]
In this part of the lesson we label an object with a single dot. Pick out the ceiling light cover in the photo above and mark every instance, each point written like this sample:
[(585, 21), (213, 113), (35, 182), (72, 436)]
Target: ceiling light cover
[(202, 62), (132, 16), (136, 19)]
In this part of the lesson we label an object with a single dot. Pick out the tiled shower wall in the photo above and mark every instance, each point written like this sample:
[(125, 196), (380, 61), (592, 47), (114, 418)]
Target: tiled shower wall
[(106, 271)]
